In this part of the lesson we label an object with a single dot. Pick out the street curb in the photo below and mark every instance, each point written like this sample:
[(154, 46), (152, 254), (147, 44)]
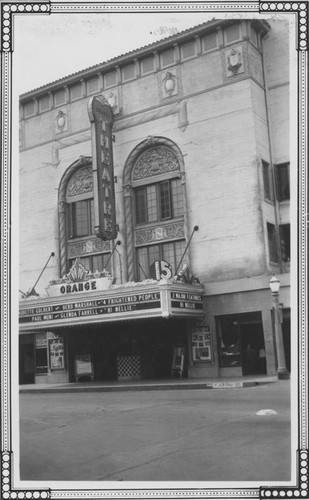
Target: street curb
[(145, 387)]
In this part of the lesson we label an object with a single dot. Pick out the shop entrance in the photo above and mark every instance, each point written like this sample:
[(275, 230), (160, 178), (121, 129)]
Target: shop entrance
[(286, 334), (137, 349), (253, 349), (26, 360), (241, 343)]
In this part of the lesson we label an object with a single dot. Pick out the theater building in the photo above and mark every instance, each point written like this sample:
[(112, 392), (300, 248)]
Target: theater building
[(154, 209)]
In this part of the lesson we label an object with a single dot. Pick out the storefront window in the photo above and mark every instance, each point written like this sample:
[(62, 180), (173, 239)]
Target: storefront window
[(241, 342), (229, 342)]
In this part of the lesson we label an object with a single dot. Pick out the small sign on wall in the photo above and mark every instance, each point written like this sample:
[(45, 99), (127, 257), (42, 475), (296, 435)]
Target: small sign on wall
[(83, 366), (201, 342), (160, 269)]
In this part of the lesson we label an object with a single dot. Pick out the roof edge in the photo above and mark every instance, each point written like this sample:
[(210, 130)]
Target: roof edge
[(125, 58)]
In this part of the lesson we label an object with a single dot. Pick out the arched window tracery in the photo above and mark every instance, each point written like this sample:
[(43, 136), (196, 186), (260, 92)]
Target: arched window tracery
[(76, 221), (155, 194)]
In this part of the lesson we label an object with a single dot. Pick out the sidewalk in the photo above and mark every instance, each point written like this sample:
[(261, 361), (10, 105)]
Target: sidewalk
[(149, 385)]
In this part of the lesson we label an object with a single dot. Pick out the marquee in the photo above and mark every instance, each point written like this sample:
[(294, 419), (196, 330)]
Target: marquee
[(120, 302)]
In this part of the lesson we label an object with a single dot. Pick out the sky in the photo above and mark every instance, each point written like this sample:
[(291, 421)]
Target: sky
[(49, 47)]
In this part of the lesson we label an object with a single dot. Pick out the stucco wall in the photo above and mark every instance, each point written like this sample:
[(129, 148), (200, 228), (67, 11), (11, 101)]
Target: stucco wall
[(223, 143)]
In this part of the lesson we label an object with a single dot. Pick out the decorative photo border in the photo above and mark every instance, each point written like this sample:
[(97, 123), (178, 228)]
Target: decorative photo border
[(299, 11)]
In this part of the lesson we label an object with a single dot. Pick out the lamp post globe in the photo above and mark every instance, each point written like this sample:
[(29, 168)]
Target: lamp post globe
[(274, 284)]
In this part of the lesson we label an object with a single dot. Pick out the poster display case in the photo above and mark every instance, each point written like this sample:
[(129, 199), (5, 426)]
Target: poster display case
[(201, 342), (56, 354)]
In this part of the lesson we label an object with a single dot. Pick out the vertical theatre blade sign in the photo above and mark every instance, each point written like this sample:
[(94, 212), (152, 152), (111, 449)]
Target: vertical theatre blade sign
[(101, 118)]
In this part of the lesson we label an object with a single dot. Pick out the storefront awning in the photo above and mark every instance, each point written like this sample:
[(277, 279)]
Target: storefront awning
[(150, 299)]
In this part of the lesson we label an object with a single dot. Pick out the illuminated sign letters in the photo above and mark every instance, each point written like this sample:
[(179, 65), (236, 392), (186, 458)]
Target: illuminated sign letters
[(101, 118)]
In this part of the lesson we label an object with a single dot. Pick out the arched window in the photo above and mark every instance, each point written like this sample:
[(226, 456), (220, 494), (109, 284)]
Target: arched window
[(79, 198), (76, 221), (156, 230)]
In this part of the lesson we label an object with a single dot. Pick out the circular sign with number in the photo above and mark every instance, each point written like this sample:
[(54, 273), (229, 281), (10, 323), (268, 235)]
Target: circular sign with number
[(160, 269)]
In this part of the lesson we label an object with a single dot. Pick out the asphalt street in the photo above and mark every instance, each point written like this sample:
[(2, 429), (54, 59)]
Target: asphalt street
[(183, 435)]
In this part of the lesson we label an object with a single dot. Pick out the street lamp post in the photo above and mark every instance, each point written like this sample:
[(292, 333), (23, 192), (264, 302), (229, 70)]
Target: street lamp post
[(282, 371)]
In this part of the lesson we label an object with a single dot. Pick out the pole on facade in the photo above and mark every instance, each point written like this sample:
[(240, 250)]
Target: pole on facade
[(32, 291), (282, 371), (185, 250), (111, 254)]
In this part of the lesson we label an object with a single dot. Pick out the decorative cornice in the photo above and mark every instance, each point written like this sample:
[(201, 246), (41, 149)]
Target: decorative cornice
[(130, 56)]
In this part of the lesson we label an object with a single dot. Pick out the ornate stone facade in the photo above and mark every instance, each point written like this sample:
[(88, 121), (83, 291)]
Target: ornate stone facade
[(90, 246), (167, 232), (155, 161), (234, 61), (80, 183)]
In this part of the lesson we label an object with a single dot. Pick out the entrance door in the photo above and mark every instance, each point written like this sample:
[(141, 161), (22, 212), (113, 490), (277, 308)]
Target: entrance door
[(26, 364), (253, 349)]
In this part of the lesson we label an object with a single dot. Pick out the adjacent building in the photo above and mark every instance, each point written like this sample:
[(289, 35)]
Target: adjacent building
[(159, 221)]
